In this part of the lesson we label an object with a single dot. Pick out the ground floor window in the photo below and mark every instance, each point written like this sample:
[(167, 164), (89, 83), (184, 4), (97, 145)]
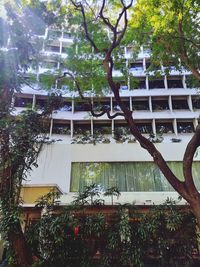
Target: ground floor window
[(127, 176)]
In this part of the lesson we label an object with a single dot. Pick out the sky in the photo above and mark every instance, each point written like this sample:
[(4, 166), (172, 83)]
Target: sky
[(2, 10)]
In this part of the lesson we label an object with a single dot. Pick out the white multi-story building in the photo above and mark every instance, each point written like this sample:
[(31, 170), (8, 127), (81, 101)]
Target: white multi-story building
[(100, 150)]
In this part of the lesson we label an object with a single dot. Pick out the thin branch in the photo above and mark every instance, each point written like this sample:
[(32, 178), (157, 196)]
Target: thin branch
[(105, 19), (75, 81), (80, 7), (94, 114), (107, 112), (183, 38)]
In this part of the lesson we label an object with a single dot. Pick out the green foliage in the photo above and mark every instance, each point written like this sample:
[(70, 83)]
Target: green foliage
[(112, 191), (121, 134), (49, 200), (90, 195), (22, 135), (171, 28), (47, 80), (74, 237)]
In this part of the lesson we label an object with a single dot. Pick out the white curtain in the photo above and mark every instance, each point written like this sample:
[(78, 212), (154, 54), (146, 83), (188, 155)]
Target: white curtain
[(127, 176)]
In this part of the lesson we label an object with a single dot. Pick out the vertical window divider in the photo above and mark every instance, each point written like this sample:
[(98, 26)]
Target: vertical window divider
[(175, 127), (72, 128), (189, 101), (184, 81), (92, 126), (147, 82), (170, 103), (113, 127), (34, 101), (111, 104), (131, 105), (165, 82), (73, 105), (195, 122), (144, 63), (150, 104), (51, 127), (154, 126)]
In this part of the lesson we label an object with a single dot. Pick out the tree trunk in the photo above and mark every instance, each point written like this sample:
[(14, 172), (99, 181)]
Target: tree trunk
[(22, 252), (196, 210)]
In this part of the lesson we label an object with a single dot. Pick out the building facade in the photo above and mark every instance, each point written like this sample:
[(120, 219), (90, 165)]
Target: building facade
[(102, 151)]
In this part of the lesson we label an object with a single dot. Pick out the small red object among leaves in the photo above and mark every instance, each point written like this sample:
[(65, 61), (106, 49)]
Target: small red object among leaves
[(76, 231)]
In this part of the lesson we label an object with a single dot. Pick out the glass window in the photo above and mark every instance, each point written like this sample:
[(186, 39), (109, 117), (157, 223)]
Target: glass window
[(140, 104), (160, 104), (145, 128), (176, 83), (60, 128), (156, 84), (179, 104), (23, 102), (127, 176), (185, 127), (164, 127), (196, 103)]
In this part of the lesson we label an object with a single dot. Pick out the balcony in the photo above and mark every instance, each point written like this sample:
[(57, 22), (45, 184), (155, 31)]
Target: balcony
[(159, 105), (185, 127), (164, 127), (136, 69), (196, 103), (145, 128), (174, 83), (140, 104), (156, 84), (61, 127), (180, 104), (23, 102)]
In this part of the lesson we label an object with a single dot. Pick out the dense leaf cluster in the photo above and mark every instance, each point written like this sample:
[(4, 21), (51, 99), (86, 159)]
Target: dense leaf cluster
[(88, 235)]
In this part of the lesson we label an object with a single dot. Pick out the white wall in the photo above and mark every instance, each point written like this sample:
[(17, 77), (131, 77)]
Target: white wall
[(55, 159)]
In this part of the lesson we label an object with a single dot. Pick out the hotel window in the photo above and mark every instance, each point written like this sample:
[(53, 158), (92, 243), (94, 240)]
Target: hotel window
[(61, 127), (159, 104), (185, 126), (23, 102), (178, 103), (140, 104), (127, 176)]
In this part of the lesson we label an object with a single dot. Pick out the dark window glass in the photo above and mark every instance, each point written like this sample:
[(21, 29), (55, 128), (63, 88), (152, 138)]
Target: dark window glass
[(160, 104), (179, 104), (175, 84), (185, 127), (23, 102), (156, 84), (140, 105)]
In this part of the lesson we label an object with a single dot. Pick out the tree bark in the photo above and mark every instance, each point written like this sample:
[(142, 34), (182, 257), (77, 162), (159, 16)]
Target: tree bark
[(19, 247), (195, 205)]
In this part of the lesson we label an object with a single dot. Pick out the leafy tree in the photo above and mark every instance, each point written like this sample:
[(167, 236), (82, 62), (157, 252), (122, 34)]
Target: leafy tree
[(113, 191), (171, 29), (21, 135), (96, 52), (125, 237)]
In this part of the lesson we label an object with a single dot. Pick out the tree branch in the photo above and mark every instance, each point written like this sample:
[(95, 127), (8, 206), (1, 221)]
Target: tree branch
[(106, 20), (94, 114), (188, 160), (85, 26)]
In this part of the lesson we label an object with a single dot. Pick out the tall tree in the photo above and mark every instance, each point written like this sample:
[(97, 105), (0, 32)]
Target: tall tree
[(21, 135), (96, 52)]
